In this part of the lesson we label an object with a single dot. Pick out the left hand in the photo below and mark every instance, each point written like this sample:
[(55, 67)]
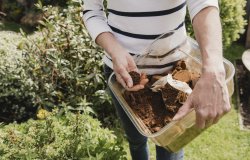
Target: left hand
[(209, 98)]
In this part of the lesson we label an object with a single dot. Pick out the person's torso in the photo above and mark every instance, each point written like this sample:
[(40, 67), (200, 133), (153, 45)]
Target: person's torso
[(136, 23)]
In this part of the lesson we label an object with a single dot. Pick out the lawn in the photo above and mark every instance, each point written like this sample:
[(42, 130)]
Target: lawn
[(223, 141)]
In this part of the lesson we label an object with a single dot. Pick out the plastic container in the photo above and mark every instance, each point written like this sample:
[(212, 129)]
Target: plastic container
[(176, 134)]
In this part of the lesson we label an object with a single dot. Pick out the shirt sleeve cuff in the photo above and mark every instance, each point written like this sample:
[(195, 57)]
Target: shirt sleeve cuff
[(96, 26), (195, 6)]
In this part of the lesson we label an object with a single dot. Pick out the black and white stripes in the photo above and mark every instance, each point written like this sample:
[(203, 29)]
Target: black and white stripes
[(140, 36), (136, 23), (148, 13)]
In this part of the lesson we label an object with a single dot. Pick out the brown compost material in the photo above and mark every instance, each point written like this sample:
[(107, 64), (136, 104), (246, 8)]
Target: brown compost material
[(135, 77), (156, 109)]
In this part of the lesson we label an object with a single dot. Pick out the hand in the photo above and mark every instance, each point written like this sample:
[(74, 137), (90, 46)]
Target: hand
[(143, 82), (209, 98), (123, 63)]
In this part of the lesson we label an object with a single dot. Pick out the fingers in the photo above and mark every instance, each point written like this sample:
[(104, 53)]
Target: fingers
[(127, 84), (220, 114), (217, 118), (140, 86), (206, 117), (123, 73), (144, 81), (120, 80), (135, 88), (125, 80), (200, 120), (185, 109), (143, 76)]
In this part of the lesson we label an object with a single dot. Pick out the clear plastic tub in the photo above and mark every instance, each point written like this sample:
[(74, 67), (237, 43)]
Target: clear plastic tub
[(176, 134)]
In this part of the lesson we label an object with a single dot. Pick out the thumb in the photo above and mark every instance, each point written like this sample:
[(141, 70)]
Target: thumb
[(185, 109)]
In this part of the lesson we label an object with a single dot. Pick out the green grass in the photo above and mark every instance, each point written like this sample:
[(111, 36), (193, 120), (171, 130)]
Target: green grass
[(12, 26), (234, 52), (223, 141)]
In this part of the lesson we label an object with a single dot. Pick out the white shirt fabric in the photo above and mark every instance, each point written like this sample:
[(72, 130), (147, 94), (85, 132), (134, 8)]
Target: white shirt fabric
[(137, 23)]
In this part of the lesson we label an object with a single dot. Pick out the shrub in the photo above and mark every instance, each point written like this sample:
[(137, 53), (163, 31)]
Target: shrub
[(73, 136), (232, 18), (16, 88), (59, 66), (24, 11), (65, 64), (16, 94)]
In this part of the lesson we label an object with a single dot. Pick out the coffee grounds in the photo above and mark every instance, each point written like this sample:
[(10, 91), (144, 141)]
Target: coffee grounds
[(157, 109), (149, 106), (173, 98), (135, 77)]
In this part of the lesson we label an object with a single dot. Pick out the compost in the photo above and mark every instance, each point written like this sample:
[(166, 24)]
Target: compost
[(157, 109)]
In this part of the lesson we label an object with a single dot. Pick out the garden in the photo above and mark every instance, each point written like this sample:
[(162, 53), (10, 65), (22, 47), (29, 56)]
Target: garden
[(53, 95)]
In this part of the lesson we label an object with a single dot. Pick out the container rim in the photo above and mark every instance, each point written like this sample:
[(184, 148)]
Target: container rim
[(225, 61), (152, 135), (230, 77)]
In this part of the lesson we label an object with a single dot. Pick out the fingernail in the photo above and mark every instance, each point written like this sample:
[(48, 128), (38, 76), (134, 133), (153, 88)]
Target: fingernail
[(174, 118), (129, 85)]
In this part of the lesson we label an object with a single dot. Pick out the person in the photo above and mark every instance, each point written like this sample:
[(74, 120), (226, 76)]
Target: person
[(131, 25)]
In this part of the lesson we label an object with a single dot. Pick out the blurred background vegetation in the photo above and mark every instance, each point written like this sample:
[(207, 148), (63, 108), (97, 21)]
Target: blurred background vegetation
[(51, 75)]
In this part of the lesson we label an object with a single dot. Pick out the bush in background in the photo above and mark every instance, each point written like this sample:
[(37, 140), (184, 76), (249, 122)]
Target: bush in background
[(73, 136), (24, 11), (232, 15), (232, 19), (17, 92), (66, 65)]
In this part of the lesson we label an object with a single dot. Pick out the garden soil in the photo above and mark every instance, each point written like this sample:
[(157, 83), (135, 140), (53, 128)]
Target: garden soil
[(243, 83)]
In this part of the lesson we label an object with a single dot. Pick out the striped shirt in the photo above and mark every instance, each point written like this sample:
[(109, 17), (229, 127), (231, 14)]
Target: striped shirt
[(137, 23)]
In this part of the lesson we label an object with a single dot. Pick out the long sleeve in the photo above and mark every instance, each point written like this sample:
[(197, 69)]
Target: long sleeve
[(94, 18), (195, 6)]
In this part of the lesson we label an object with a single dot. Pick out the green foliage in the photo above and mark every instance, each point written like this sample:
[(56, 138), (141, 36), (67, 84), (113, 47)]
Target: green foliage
[(70, 137), (16, 88), (24, 11), (232, 12), (57, 66), (232, 19), (65, 64), (13, 9)]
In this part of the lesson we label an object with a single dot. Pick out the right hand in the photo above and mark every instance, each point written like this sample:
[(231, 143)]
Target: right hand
[(123, 63)]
